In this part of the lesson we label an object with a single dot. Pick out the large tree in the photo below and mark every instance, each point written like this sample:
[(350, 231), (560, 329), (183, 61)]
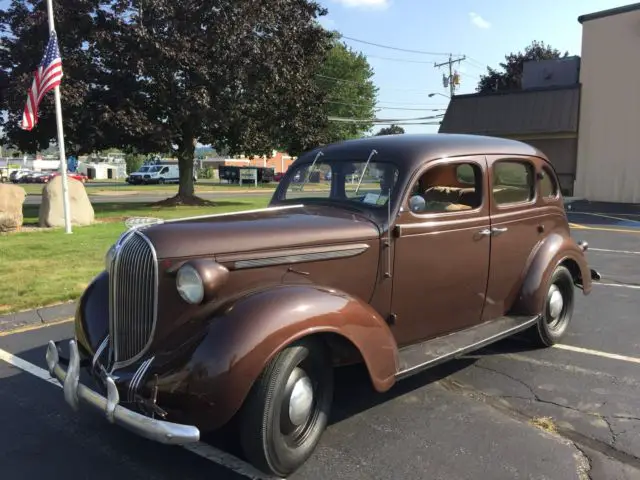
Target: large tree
[(510, 78), (160, 75), (391, 130), (345, 78)]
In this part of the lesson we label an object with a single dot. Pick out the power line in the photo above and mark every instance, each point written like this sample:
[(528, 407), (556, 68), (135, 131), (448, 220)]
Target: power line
[(422, 52), (383, 120), (386, 108), (415, 92)]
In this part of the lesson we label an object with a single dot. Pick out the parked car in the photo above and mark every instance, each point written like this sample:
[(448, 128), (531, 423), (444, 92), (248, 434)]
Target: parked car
[(199, 322)]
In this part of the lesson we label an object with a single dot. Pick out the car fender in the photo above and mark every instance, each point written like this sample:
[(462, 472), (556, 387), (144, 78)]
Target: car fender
[(553, 251), (244, 335)]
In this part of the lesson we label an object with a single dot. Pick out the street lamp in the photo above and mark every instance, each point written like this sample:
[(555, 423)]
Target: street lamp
[(441, 94)]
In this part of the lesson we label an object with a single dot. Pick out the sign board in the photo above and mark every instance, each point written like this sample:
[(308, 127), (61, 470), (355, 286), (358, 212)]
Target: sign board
[(249, 174)]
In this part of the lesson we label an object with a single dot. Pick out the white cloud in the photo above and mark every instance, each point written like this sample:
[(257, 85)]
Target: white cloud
[(478, 21), (365, 3)]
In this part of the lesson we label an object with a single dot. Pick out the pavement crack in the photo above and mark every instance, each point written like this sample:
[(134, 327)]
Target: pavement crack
[(585, 471), (537, 398)]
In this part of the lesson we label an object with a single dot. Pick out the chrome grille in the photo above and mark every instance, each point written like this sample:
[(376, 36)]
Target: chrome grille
[(133, 290)]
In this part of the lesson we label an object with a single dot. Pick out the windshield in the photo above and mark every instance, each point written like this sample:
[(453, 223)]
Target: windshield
[(355, 181)]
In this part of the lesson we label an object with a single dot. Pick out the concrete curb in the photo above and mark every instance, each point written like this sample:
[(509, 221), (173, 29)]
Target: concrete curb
[(38, 316)]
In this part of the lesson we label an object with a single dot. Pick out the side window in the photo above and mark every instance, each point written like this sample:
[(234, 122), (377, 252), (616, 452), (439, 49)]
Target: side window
[(450, 187), (513, 182), (164, 170), (548, 185)]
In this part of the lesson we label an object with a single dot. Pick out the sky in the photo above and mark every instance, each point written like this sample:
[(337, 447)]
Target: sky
[(482, 31)]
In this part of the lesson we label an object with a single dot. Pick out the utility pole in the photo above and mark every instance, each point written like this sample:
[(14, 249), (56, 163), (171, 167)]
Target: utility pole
[(450, 62)]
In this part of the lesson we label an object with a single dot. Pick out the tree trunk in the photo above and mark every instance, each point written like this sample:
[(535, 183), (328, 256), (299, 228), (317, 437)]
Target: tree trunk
[(185, 162), (186, 195)]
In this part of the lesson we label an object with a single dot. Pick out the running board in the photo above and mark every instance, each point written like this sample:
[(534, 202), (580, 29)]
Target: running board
[(415, 358)]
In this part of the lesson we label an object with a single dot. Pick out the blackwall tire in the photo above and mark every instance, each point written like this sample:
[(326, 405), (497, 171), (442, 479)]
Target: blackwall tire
[(270, 440), (558, 309)]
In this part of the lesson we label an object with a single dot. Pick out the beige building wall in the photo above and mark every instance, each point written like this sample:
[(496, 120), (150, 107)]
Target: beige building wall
[(608, 166)]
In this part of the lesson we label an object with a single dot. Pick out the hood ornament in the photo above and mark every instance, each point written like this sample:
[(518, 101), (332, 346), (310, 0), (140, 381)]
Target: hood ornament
[(141, 222)]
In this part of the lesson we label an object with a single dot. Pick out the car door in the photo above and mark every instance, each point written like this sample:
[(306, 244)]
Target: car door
[(517, 225), (441, 251)]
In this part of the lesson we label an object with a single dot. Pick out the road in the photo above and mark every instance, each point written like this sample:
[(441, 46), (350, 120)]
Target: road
[(473, 418)]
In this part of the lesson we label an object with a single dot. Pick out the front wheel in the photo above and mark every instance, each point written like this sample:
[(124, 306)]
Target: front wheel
[(288, 408), (558, 309)]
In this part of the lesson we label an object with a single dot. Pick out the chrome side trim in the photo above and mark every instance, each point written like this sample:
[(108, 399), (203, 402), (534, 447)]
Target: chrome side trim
[(293, 255), (240, 212), (75, 393), (299, 258)]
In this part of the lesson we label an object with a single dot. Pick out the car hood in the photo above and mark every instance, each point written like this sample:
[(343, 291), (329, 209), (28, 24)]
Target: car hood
[(256, 230)]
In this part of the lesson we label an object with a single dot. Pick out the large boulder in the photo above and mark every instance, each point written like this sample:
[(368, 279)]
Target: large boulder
[(11, 200), (52, 207)]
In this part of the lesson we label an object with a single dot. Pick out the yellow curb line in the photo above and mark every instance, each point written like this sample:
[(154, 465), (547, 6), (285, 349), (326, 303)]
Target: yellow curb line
[(28, 328), (603, 229)]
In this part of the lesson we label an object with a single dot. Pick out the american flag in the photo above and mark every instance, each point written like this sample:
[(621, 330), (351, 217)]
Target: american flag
[(47, 77)]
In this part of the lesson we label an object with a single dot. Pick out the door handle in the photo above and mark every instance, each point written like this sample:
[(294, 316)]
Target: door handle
[(485, 233), (498, 230)]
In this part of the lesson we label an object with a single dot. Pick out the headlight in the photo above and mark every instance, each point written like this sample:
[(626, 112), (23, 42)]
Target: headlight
[(189, 284), (108, 258)]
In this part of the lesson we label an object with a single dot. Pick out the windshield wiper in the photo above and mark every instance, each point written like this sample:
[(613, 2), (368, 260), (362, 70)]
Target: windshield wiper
[(373, 152), (308, 176)]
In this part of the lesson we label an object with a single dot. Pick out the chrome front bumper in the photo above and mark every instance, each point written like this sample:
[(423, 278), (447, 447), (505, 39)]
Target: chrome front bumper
[(74, 391)]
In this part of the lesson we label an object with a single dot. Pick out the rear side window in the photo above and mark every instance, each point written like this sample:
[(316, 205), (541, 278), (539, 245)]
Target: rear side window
[(548, 185), (513, 182)]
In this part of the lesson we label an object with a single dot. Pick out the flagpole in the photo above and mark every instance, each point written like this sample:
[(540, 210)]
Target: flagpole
[(63, 162)]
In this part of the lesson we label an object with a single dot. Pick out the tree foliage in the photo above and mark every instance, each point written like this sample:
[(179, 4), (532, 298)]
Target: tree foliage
[(391, 130), (162, 75), (510, 78), (353, 96), (25, 31)]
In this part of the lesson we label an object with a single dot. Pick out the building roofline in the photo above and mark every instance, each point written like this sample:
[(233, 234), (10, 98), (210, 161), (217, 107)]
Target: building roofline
[(552, 88), (608, 13)]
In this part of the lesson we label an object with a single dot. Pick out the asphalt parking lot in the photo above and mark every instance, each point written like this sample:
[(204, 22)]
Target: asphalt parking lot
[(505, 412)]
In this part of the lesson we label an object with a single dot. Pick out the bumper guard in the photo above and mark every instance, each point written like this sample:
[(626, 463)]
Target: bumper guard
[(157, 430)]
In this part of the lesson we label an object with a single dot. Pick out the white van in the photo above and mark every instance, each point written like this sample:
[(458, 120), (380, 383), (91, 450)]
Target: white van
[(156, 174)]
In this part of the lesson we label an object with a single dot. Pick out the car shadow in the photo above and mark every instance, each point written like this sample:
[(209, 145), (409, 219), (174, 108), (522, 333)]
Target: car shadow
[(353, 395)]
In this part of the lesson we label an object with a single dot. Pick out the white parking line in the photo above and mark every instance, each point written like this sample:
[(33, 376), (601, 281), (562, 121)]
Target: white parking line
[(627, 252), (621, 285), (598, 353), (202, 449), (602, 215)]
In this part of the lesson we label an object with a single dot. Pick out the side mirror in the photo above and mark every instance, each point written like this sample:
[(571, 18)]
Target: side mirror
[(417, 203)]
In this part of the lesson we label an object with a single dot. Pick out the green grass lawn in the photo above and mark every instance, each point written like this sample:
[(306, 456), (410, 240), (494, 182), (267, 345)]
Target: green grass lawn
[(40, 268), (36, 189)]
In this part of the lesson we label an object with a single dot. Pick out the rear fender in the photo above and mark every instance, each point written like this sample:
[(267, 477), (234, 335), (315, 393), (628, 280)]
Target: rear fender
[(553, 251), (243, 336)]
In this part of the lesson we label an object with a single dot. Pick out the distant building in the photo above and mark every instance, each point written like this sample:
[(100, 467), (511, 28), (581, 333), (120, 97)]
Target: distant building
[(543, 114), (609, 143), (583, 113)]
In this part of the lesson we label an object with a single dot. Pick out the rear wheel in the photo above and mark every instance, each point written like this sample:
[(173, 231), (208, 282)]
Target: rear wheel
[(288, 408), (558, 309)]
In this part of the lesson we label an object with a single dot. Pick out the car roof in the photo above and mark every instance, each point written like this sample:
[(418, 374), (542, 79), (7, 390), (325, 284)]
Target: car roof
[(410, 148)]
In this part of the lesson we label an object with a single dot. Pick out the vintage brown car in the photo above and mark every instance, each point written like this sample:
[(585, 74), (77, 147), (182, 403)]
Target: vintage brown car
[(398, 251)]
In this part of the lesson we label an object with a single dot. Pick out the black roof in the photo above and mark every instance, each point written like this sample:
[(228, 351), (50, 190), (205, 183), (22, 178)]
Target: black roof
[(536, 110), (607, 13), (414, 148)]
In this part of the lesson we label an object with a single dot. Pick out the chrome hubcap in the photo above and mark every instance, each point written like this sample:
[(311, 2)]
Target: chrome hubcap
[(555, 302), (300, 399)]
